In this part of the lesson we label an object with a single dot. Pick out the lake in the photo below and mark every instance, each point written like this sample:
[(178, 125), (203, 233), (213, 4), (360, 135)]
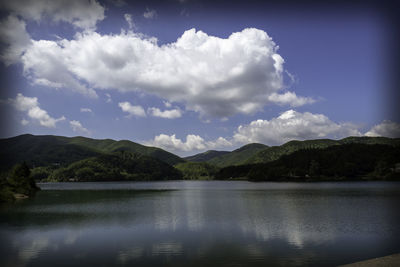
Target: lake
[(201, 223)]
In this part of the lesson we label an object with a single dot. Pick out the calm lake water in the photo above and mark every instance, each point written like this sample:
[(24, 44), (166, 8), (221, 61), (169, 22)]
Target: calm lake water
[(201, 223)]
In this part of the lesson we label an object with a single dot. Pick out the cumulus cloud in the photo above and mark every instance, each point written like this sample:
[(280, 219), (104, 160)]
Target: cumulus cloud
[(82, 14), (386, 128), (137, 111), (293, 125), (289, 125), (214, 76), (150, 13), (166, 114), (192, 143), (44, 65), (290, 98), (31, 106), (14, 39), (77, 127), (88, 110)]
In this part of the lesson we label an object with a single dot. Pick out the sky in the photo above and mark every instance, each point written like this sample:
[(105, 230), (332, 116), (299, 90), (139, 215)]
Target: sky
[(190, 75)]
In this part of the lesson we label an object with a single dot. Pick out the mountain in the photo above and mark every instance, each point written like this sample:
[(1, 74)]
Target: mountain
[(109, 145), (238, 156), (197, 170), (117, 166), (50, 155), (226, 158), (350, 161), (48, 150), (259, 153), (275, 152), (206, 156)]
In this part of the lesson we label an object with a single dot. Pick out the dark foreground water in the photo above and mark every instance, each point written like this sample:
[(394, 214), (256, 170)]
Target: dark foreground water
[(201, 224)]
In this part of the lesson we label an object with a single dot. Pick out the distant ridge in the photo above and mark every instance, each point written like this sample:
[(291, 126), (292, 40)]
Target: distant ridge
[(224, 158), (51, 150), (44, 150), (259, 153), (275, 152), (206, 156)]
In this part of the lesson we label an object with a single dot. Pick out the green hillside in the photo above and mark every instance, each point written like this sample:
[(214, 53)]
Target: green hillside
[(197, 170), (340, 162), (273, 153), (109, 145), (58, 157), (48, 150), (259, 153), (118, 166), (41, 151), (238, 156), (206, 156)]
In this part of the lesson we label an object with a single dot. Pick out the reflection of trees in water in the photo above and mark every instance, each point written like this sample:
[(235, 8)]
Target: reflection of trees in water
[(283, 226)]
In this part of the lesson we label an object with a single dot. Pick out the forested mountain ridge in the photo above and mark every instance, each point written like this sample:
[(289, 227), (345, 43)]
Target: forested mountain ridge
[(259, 153), (49, 150), (117, 166), (351, 161), (61, 158), (224, 158), (206, 156), (275, 152)]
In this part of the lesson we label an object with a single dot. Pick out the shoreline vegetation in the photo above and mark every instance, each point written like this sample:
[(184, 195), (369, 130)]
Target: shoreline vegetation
[(27, 159), (17, 184)]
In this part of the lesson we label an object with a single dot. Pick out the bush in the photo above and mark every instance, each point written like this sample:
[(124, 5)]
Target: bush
[(18, 181)]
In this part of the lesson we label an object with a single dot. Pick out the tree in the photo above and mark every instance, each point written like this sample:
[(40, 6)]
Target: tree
[(21, 181), (314, 169)]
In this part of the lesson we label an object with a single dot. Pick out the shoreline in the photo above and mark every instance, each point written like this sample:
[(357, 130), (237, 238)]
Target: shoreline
[(386, 261)]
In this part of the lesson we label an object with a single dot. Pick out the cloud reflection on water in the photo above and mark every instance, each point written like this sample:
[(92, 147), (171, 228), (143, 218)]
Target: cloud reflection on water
[(286, 226)]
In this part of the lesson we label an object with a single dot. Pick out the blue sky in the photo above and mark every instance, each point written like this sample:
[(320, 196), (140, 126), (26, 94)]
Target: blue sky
[(189, 76)]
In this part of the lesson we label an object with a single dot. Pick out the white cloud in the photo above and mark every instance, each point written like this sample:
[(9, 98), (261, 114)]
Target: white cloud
[(290, 98), (386, 128), (171, 143), (293, 125), (150, 13), (24, 122), (137, 111), (14, 38), (214, 76), (88, 110), (24, 103), (43, 118), (192, 143), (44, 65), (289, 125), (31, 106), (77, 127), (128, 18), (166, 114), (82, 14)]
